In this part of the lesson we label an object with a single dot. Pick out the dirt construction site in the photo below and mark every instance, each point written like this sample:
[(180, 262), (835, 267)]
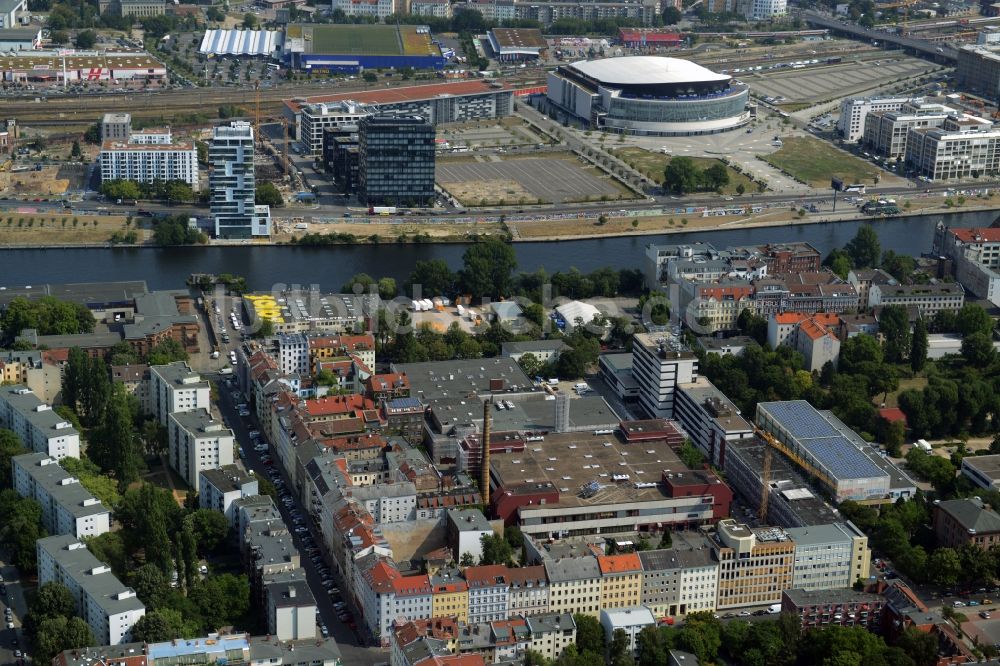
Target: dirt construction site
[(50, 180)]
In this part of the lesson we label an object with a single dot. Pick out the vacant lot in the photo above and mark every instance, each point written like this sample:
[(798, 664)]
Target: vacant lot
[(28, 228), (527, 180), (48, 181), (816, 162), (652, 164)]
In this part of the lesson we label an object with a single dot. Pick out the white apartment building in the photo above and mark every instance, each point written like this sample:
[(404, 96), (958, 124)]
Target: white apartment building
[(105, 603), (38, 426), (699, 581), (630, 620), (488, 593), (854, 110), (928, 298), (709, 418), (314, 118), (146, 162), (152, 135), (67, 507), (232, 183), (176, 388), (976, 253), (660, 361), (765, 9), (962, 147), (293, 354), (829, 556), (678, 581), (291, 608), (377, 8), (574, 585), (219, 488), (198, 442), (436, 8), (387, 503)]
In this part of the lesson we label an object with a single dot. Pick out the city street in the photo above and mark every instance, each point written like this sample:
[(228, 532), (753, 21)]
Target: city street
[(352, 647), (11, 640)]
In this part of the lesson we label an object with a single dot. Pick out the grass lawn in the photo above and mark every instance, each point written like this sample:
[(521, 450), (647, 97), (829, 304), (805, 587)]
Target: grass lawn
[(652, 164), (59, 229), (904, 385), (816, 162)]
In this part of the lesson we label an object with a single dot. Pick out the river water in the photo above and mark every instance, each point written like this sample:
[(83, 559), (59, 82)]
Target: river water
[(330, 267)]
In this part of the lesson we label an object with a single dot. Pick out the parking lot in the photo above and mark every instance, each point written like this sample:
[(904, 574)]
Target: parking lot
[(526, 180), (488, 134), (815, 84)]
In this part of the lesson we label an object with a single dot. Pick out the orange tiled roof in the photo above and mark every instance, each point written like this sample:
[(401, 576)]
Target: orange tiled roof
[(616, 564)]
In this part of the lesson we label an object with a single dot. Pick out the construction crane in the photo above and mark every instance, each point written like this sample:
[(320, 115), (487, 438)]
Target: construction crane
[(771, 442), (256, 111), (285, 163)]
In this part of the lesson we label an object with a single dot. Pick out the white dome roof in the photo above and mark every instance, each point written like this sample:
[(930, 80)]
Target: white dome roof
[(646, 70)]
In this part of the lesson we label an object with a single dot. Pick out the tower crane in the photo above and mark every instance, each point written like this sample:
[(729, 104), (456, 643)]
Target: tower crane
[(771, 442)]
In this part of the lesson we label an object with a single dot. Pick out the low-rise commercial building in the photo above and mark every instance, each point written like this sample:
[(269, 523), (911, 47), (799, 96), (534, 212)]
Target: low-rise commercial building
[(38, 426), (975, 255), (291, 608), (110, 608), (984, 471), (67, 507), (964, 146)]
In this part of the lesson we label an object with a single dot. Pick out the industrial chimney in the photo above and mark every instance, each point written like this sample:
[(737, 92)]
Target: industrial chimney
[(484, 480)]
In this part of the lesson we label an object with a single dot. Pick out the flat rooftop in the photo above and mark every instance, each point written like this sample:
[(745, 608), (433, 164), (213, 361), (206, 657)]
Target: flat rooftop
[(519, 38), (104, 588), (713, 401), (987, 466), (60, 485), (833, 596), (91, 294), (36, 412), (179, 373), (401, 95), (568, 461)]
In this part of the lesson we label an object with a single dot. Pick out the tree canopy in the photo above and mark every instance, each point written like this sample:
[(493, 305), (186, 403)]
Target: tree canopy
[(47, 315)]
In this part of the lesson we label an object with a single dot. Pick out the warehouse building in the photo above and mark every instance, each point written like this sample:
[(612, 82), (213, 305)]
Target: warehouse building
[(38, 67), (353, 48), (516, 44)]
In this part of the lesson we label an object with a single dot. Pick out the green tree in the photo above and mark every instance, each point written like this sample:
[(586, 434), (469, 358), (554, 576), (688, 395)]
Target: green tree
[(267, 194), (921, 647), (164, 624), (166, 352), (487, 268), (20, 528), (944, 565), (51, 600), (221, 600), (265, 329), (531, 364), (589, 634), (681, 175), (359, 283), (118, 439), (209, 528), (433, 277), (10, 446), (56, 634), (864, 249), (48, 315), (149, 516), (496, 550), (918, 346), (99, 485), (690, 455), (110, 549), (151, 585), (977, 350), (75, 151), (715, 177), (839, 261), (671, 15), (387, 289), (249, 21), (894, 326), (619, 652), (85, 39), (467, 560), (370, 77), (972, 318)]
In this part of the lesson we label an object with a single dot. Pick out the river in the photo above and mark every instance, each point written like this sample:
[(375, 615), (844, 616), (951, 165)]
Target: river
[(330, 267)]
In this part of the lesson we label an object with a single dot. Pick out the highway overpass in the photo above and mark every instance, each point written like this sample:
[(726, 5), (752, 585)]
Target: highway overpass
[(936, 52)]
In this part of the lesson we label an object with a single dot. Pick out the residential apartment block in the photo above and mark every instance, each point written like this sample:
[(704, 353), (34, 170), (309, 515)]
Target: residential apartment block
[(38, 426), (67, 507), (197, 442), (975, 254), (218, 489), (817, 609), (148, 162), (176, 388), (929, 299), (574, 585), (488, 593), (231, 183), (621, 580), (109, 607), (965, 521), (815, 336)]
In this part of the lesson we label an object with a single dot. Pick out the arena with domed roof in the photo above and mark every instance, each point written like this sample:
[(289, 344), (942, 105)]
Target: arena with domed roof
[(649, 95)]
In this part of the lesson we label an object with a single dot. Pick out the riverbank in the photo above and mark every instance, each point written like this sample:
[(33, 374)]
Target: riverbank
[(57, 231), (581, 229)]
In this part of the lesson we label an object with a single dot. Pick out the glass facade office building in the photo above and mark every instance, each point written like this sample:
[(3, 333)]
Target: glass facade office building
[(232, 183), (396, 160)]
